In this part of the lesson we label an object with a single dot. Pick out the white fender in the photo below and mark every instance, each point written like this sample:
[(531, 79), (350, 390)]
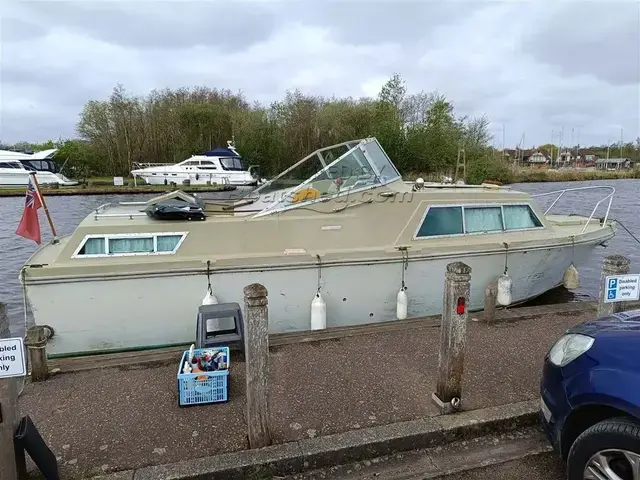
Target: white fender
[(209, 299), (504, 289), (571, 278), (318, 313), (401, 304)]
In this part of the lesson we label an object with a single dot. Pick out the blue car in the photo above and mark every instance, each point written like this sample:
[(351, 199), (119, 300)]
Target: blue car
[(590, 398)]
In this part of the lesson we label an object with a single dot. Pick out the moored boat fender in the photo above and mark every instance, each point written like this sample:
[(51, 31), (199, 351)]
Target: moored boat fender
[(209, 298), (504, 289), (571, 278), (401, 304), (318, 313)]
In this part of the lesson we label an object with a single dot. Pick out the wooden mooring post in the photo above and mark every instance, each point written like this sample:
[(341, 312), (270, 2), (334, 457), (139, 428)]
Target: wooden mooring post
[(490, 302), (611, 266), (457, 286), (256, 347), (9, 411), (36, 343)]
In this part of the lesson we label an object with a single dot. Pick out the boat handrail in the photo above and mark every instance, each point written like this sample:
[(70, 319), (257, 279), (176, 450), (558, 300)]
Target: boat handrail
[(560, 193), (142, 165), (123, 214), (104, 206), (99, 211)]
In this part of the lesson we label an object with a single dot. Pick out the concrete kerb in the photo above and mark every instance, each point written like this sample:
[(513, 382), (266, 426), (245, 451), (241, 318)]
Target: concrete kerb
[(353, 446)]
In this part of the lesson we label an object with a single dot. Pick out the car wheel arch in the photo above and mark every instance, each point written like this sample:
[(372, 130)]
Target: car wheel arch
[(585, 416), (608, 449)]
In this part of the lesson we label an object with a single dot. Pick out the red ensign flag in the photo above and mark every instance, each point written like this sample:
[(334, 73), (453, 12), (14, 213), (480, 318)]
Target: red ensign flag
[(29, 224)]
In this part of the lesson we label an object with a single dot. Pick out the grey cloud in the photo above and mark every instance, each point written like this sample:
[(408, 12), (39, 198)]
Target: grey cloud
[(157, 40), (163, 24), (14, 29), (41, 126), (394, 21), (597, 38), (49, 85)]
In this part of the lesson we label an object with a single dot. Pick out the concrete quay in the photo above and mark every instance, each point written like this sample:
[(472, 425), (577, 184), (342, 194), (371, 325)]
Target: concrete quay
[(335, 396)]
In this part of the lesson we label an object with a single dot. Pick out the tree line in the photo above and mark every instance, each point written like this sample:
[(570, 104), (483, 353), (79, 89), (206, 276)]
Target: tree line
[(420, 132)]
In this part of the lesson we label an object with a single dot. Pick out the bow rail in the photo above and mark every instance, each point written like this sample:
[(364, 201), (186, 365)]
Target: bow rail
[(560, 194)]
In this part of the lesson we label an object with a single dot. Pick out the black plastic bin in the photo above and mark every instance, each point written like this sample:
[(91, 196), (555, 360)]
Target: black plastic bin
[(27, 438)]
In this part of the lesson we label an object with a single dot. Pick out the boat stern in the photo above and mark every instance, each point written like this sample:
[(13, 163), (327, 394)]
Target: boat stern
[(48, 178)]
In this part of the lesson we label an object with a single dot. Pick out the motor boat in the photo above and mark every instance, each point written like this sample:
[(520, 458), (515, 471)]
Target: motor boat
[(222, 166), (16, 167), (339, 227)]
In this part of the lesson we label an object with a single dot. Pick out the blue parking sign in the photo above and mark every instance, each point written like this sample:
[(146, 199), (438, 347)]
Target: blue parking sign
[(611, 294), (613, 283)]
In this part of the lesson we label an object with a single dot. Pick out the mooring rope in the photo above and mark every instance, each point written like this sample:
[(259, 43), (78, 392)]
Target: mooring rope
[(628, 231), (25, 307)]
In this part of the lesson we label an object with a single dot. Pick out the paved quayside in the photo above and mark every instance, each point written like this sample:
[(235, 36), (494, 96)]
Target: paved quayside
[(125, 418)]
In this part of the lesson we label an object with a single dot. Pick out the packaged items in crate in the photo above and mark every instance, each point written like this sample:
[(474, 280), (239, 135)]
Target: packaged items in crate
[(203, 376), (206, 360)]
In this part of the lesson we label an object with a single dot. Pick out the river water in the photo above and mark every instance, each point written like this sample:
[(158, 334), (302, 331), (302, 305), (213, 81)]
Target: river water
[(68, 211)]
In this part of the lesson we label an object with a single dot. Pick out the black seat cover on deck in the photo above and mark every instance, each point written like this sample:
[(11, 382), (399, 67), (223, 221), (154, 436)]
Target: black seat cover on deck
[(175, 209)]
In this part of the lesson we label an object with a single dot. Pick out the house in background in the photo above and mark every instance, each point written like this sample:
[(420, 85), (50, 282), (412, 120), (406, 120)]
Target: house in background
[(564, 158), (537, 158), (586, 159), (529, 157), (614, 164)]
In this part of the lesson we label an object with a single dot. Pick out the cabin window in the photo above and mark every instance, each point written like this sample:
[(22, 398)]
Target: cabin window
[(10, 165), (131, 244), (208, 165), (167, 243), (477, 219), (482, 219), (233, 163), (37, 164), (441, 221), (93, 246), (520, 216)]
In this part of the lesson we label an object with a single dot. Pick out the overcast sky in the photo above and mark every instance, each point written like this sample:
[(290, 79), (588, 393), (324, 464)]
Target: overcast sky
[(533, 66)]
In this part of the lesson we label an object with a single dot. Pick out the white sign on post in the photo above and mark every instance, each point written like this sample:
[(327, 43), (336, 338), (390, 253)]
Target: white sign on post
[(118, 181), (622, 288), (12, 362)]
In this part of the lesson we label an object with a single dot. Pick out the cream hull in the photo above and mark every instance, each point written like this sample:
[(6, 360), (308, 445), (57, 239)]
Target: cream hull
[(130, 313)]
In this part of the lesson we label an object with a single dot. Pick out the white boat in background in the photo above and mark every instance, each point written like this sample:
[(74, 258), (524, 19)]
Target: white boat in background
[(15, 168), (224, 166)]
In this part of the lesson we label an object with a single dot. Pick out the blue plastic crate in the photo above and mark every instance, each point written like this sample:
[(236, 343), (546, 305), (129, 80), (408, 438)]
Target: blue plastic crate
[(197, 392)]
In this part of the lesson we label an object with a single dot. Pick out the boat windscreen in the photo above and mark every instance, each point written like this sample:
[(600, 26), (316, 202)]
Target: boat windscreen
[(233, 163), (332, 172), (305, 169)]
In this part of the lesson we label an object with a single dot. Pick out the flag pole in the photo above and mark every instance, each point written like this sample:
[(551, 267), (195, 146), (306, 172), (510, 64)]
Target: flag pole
[(44, 206)]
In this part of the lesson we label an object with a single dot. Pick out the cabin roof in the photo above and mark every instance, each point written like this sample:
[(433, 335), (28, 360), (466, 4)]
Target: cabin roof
[(612, 160), (132, 214), (220, 152)]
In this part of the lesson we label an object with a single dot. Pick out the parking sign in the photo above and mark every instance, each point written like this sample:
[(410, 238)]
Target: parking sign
[(622, 288)]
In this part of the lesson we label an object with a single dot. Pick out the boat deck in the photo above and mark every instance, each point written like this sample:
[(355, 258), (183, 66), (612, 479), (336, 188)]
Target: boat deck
[(568, 225)]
